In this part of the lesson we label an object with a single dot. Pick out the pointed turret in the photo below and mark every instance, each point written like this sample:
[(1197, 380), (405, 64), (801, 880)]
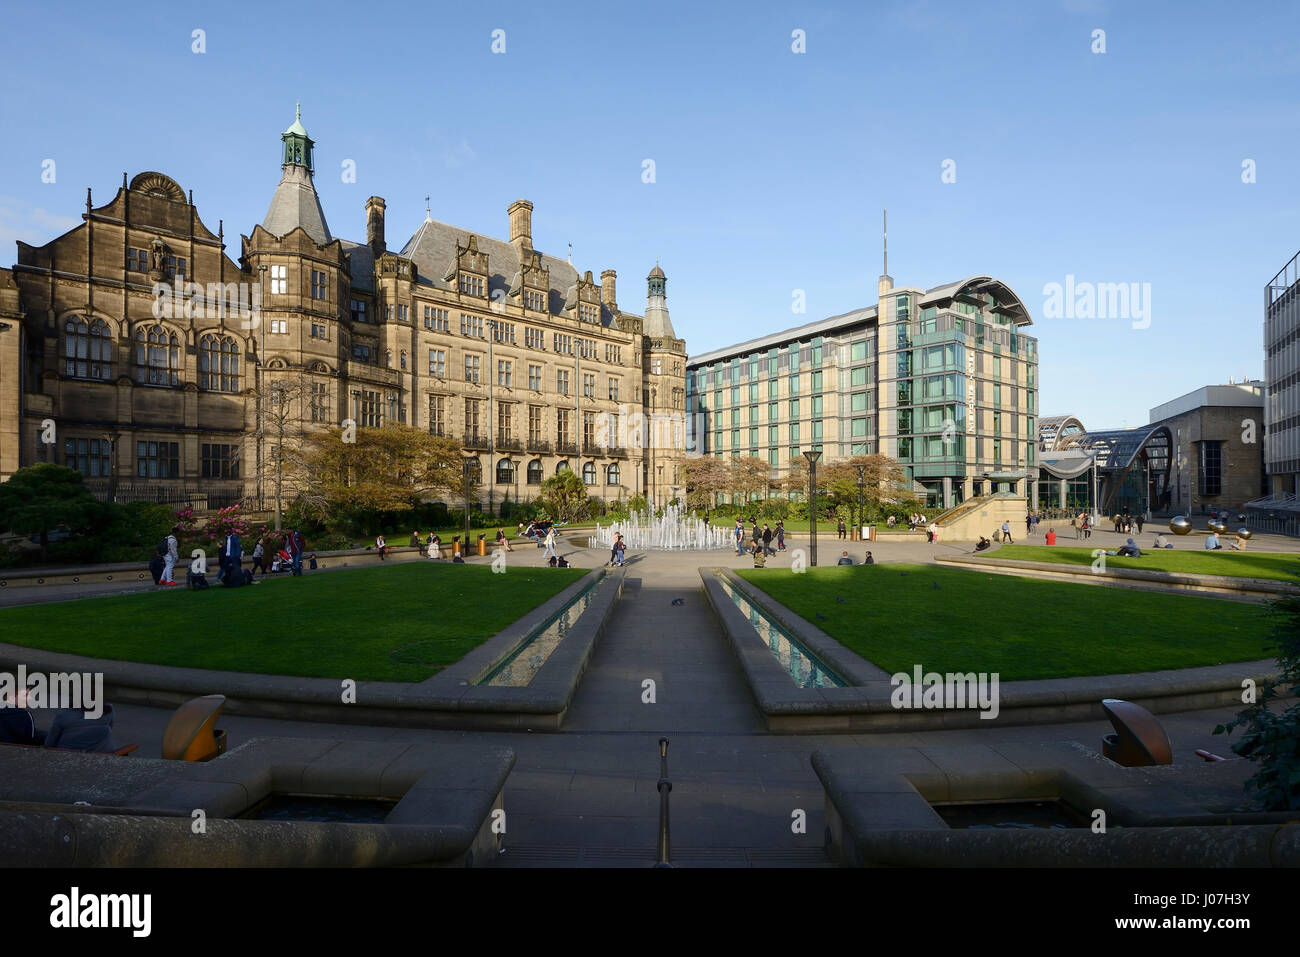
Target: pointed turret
[(295, 202), (657, 325)]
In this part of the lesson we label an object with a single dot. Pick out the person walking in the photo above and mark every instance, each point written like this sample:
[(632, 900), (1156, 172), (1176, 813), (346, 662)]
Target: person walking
[(1006, 533), (1029, 523), (549, 545), (381, 546), (620, 550), (293, 544), (767, 539), (1087, 526), (740, 537), (259, 554), (1077, 526), (1141, 520), (170, 556), (933, 532), (780, 535)]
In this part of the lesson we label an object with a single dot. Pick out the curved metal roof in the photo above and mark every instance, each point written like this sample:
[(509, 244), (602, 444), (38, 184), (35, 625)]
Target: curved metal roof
[(1054, 429), (1118, 448), (976, 288)]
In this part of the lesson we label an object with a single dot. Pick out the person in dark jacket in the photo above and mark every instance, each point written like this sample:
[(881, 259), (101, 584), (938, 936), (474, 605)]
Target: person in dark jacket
[(844, 559), (767, 539), (18, 724)]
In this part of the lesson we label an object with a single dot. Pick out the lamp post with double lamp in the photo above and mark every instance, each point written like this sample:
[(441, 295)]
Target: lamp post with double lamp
[(812, 457), (468, 486)]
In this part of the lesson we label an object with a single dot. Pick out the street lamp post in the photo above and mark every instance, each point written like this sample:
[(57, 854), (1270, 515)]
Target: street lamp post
[(658, 485), (812, 457)]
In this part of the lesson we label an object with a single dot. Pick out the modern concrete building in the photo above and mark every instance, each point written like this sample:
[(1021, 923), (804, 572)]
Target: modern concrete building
[(944, 380), (153, 352)]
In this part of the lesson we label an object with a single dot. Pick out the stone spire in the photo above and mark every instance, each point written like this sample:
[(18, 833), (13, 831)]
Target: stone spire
[(295, 202), (657, 325)]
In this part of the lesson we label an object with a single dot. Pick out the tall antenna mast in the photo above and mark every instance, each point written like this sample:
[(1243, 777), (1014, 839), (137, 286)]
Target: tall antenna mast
[(885, 230)]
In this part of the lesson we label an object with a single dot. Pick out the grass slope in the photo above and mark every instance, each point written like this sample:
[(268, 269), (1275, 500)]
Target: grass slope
[(944, 619), (399, 622), (1274, 565)]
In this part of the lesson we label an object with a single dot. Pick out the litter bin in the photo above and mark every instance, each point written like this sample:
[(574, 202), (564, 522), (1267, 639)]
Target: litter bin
[(868, 533), (482, 544)]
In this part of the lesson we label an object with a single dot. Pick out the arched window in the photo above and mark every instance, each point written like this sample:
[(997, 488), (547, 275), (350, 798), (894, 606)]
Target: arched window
[(505, 472), (87, 348), (535, 472), (589, 473), (611, 474), (562, 466), (157, 356), (218, 364)]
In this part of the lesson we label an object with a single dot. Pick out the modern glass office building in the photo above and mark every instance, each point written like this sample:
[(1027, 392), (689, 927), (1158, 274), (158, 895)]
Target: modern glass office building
[(1282, 378), (944, 380)]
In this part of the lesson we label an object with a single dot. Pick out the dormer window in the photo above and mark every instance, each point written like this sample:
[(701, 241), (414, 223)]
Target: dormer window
[(589, 313), (535, 300), (471, 285)]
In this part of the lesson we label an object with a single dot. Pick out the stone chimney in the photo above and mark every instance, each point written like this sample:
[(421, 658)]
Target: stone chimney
[(608, 290), (375, 226), (521, 225)]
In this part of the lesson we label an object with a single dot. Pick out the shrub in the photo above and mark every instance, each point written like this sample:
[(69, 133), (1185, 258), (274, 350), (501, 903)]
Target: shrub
[(1272, 737)]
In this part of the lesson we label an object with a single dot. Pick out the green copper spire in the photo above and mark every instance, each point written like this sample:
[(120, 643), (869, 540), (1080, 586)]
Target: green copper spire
[(297, 144)]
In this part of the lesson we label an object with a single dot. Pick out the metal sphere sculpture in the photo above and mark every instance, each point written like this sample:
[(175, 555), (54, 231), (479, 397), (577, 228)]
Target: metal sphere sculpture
[(1216, 527), (1241, 516), (1243, 534), (1179, 525)]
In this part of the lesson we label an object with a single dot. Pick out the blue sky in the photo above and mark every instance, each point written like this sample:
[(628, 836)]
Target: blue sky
[(771, 167)]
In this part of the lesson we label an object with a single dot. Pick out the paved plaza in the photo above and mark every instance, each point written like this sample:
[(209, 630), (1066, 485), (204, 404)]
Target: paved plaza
[(586, 795)]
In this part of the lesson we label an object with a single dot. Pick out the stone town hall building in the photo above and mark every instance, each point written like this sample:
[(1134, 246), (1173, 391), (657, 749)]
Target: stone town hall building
[(531, 364)]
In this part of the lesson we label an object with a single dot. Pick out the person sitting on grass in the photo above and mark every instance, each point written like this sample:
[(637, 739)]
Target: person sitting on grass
[(1212, 543), (982, 544), (1051, 536), (1162, 541), (1129, 550), (844, 559)]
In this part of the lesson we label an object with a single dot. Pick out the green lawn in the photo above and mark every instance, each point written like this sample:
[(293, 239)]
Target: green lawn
[(399, 622), (1247, 564), (948, 619)]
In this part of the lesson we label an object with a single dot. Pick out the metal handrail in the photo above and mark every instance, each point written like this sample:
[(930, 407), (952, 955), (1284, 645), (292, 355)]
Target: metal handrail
[(665, 788)]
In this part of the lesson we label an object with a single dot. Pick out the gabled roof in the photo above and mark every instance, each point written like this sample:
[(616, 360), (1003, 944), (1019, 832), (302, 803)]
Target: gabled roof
[(433, 250)]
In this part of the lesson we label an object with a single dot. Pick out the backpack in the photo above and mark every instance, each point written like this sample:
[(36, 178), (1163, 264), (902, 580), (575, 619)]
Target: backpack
[(162, 545)]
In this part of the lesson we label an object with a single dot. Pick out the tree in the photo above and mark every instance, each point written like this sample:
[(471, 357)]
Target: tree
[(706, 477), (282, 406), (795, 478), (565, 497), (749, 477), (43, 497), (388, 469)]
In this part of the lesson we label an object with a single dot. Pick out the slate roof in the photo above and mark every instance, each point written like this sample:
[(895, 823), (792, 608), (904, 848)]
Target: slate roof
[(295, 204), (433, 250)]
